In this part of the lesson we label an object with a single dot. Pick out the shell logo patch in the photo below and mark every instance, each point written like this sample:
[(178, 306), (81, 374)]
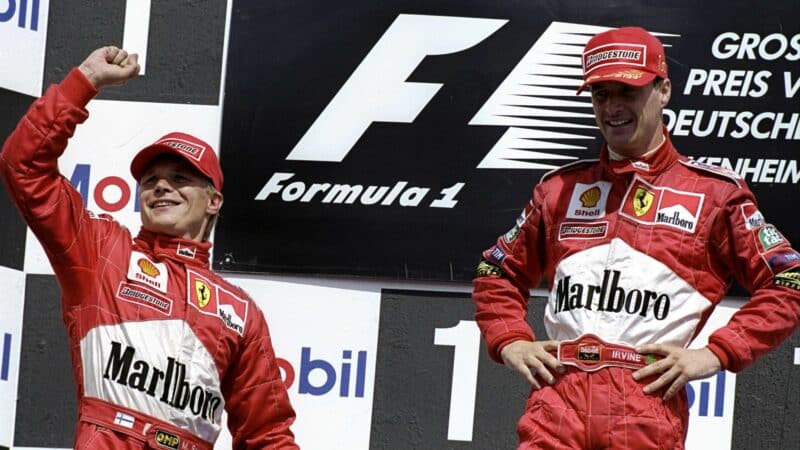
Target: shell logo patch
[(588, 201), (148, 268), (143, 270), (590, 197)]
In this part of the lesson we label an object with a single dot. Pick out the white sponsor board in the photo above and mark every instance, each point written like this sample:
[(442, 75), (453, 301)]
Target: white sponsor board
[(327, 332), (11, 308), (711, 400), (99, 156), (23, 32)]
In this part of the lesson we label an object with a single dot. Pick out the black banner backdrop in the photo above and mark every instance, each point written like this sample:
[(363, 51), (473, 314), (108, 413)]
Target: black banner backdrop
[(398, 138)]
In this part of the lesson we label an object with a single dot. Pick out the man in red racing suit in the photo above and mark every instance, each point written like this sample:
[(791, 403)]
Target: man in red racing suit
[(637, 248), (160, 344)]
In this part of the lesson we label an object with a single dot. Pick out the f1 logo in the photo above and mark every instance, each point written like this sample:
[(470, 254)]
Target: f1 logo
[(382, 75)]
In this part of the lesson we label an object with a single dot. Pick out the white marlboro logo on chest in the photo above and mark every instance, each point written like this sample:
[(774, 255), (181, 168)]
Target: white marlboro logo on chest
[(588, 201), (661, 205), (214, 300), (143, 270)]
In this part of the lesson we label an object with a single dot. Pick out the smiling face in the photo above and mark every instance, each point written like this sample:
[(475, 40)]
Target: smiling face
[(176, 199), (629, 117)]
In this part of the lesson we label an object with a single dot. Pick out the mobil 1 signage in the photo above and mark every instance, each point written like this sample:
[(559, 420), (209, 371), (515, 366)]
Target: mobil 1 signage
[(399, 138)]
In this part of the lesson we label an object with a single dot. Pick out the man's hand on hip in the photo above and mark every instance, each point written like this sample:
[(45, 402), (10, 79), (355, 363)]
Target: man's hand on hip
[(532, 360), (679, 366)]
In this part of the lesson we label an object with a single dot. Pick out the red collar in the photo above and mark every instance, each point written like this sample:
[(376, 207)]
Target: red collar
[(162, 246), (657, 162)]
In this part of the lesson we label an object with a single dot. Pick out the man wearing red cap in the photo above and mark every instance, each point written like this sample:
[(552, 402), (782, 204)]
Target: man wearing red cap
[(637, 248), (160, 344)]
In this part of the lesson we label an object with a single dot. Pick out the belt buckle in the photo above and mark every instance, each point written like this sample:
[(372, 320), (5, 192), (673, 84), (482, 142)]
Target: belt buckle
[(590, 353), (585, 353)]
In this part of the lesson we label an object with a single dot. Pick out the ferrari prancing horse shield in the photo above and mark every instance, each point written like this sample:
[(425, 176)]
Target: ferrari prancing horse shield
[(642, 201)]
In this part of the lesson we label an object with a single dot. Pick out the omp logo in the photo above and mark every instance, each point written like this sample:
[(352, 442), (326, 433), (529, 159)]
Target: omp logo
[(26, 18), (168, 440)]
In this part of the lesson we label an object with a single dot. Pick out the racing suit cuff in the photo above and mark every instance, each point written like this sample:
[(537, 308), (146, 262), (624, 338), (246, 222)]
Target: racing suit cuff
[(499, 344), (720, 353), (77, 88)]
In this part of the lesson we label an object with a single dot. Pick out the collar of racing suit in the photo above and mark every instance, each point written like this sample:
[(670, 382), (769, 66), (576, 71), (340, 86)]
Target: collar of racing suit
[(162, 246), (654, 163)]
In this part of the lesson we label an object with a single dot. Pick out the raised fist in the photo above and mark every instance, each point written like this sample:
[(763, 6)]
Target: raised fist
[(109, 66)]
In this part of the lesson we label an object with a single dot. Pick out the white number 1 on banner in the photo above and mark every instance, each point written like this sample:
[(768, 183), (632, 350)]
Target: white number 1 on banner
[(466, 340)]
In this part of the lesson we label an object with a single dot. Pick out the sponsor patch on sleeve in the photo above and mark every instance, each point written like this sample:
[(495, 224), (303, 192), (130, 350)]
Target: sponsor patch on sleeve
[(790, 279), (782, 260), (485, 269), (514, 231), (752, 217), (496, 255), (768, 237)]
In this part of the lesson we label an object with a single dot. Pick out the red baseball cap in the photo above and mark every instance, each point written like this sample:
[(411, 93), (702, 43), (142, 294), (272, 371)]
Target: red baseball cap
[(629, 55), (193, 150)]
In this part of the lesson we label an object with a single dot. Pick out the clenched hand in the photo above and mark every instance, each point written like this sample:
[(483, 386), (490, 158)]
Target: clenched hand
[(110, 66)]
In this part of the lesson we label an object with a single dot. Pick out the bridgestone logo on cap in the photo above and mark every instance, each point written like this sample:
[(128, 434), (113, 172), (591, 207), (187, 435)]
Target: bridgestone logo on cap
[(614, 54), (190, 148)]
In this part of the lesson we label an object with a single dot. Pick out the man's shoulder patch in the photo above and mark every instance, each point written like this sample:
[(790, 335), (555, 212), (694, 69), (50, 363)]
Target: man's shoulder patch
[(575, 165), (713, 170)]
